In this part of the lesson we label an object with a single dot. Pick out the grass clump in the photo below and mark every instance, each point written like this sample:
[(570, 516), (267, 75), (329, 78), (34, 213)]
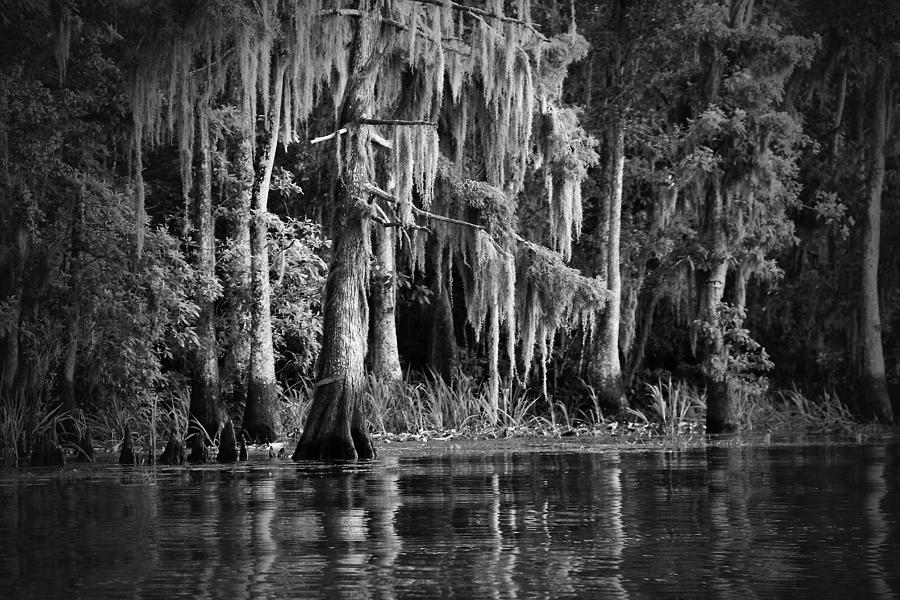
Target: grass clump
[(671, 409), (26, 417), (791, 410), (677, 407)]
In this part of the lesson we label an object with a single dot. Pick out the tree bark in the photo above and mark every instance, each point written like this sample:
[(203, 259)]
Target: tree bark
[(205, 401), (261, 411), (607, 367), (384, 357), (875, 399), (335, 428), (721, 405)]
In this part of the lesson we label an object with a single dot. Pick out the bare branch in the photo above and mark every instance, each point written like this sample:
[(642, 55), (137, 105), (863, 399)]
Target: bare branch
[(386, 221), (395, 122), (376, 137), (377, 191), (352, 12), (431, 215), (325, 138), (374, 189), (381, 210), (385, 143), (342, 12), (480, 12)]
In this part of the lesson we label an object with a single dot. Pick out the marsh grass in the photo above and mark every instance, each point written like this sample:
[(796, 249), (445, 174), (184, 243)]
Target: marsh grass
[(676, 407), (430, 408), (791, 410), (28, 415), (294, 407), (14, 437), (427, 405)]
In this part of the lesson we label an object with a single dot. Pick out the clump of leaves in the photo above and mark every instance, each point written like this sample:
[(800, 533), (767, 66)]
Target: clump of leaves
[(298, 281)]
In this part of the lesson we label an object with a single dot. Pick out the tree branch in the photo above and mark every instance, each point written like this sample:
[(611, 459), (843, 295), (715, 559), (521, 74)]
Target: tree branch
[(386, 221), (377, 191), (364, 121), (352, 12), (480, 12), (384, 143), (431, 215), (327, 137), (376, 137)]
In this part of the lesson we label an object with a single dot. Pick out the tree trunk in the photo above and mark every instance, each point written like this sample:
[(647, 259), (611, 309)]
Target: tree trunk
[(261, 411), (838, 119), (9, 343), (630, 296), (335, 428), (741, 278), (875, 399), (205, 402), (643, 328), (384, 359), (442, 336), (721, 407), (721, 401), (608, 370), (493, 342), (67, 372), (238, 358)]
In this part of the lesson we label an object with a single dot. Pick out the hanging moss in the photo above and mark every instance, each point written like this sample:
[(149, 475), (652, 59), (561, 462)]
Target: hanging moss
[(498, 74), (550, 297)]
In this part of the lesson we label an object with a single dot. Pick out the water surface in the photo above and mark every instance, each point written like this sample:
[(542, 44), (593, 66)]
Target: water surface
[(542, 520)]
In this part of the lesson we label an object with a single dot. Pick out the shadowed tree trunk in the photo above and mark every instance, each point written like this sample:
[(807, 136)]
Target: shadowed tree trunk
[(875, 397), (442, 339), (13, 286), (205, 401), (67, 372), (644, 325), (261, 411)]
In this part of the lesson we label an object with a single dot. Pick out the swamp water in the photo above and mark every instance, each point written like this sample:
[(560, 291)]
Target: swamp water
[(534, 519)]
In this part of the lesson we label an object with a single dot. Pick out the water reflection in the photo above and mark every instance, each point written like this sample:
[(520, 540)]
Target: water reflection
[(877, 522), (717, 522)]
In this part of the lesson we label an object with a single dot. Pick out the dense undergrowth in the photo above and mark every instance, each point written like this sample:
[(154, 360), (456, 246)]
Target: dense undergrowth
[(431, 409)]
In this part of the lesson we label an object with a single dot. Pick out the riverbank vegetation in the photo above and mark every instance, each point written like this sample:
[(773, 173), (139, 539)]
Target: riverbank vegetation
[(339, 222)]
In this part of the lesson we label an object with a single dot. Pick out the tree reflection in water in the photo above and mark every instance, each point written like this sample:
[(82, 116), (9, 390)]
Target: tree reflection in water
[(530, 521)]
